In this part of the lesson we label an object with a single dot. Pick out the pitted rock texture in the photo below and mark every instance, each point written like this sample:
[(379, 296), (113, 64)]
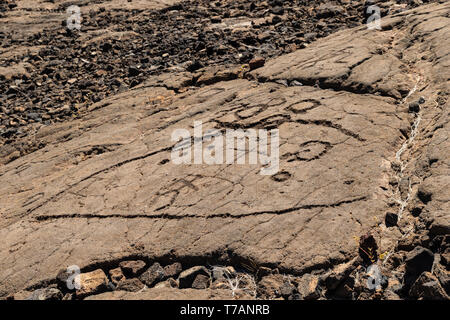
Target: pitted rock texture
[(103, 187)]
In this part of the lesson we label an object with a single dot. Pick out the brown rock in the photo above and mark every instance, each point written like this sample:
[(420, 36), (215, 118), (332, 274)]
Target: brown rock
[(170, 294), (131, 285), (270, 286), (153, 275), (187, 277), (308, 287), (256, 63), (116, 275), (201, 282), (132, 268), (427, 286), (103, 186), (169, 283), (92, 283), (172, 270), (21, 295)]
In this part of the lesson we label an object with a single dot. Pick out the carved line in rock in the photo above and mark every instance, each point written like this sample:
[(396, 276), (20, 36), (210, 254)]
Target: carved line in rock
[(117, 165), (274, 121), (309, 104), (212, 216), (307, 152)]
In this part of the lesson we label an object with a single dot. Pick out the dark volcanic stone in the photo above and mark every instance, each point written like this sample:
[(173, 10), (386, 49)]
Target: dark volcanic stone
[(132, 268), (417, 261), (391, 219), (414, 107), (131, 285), (201, 282), (153, 275), (187, 277)]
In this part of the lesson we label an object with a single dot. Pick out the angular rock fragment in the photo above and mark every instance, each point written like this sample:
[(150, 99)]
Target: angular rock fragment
[(152, 275), (187, 277), (172, 270), (270, 286), (417, 261), (391, 219), (427, 287), (132, 268), (308, 287), (287, 290), (201, 282), (116, 275), (256, 63), (169, 283), (414, 107), (92, 283), (131, 285)]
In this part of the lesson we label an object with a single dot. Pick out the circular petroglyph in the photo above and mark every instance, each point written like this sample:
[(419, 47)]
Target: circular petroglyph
[(281, 176), (249, 112), (303, 106), (308, 151)]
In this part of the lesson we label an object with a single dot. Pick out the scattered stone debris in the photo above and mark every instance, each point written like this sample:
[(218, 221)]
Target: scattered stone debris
[(151, 42), (418, 261), (427, 287)]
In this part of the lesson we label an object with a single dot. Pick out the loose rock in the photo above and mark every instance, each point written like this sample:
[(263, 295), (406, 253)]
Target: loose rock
[(92, 283), (153, 275), (131, 285), (187, 277), (172, 270), (116, 275), (417, 261), (132, 268), (427, 286), (201, 282)]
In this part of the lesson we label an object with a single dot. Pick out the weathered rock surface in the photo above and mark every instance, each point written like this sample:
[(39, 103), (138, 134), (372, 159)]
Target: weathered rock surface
[(427, 287), (45, 294), (167, 294), (102, 188), (131, 285), (153, 275), (132, 268), (188, 277), (92, 282)]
